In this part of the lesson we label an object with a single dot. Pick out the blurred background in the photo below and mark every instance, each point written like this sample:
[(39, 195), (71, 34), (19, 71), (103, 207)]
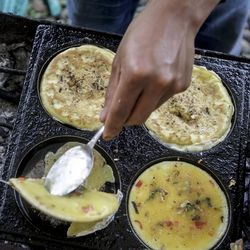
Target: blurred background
[(56, 10)]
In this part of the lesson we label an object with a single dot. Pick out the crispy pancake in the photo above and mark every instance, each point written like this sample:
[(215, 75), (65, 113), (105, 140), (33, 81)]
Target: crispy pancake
[(196, 119), (74, 83)]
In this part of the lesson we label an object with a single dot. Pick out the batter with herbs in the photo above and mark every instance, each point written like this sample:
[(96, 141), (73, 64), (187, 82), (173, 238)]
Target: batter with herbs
[(176, 205)]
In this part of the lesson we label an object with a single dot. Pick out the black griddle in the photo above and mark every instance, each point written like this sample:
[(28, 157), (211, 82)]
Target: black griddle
[(133, 150)]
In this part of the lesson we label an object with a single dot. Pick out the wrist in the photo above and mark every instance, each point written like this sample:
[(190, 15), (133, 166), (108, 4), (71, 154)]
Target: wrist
[(199, 12), (192, 12)]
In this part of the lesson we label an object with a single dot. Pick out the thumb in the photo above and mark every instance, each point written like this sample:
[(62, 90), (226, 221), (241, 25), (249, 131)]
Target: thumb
[(103, 114)]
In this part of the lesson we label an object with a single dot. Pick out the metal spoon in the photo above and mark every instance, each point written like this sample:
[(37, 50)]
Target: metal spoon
[(72, 168)]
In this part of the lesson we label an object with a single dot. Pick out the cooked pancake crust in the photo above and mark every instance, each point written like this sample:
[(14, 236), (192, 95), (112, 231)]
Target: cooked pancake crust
[(73, 86), (196, 119)]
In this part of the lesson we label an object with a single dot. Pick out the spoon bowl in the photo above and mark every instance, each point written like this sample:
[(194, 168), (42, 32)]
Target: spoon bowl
[(72, 168)]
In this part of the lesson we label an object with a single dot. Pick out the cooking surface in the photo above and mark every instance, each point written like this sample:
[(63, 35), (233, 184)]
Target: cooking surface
[(132, 150)]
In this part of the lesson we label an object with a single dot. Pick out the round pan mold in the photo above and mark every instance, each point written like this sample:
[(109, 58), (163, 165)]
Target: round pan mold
[(36, 155), (199, 165), (44, 67), (233, 121)]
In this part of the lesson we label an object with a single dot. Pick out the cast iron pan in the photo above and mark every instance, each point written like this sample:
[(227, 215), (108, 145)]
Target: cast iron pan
[(36, 156), (134, 149)]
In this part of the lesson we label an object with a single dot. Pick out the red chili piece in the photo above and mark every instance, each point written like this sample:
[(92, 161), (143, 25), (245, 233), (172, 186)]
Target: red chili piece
[(138, 184), (21, 178), (199, 224), (168, 223), (87, 209)]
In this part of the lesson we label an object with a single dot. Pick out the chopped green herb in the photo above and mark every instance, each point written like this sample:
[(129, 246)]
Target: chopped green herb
[(135, 207), (222, 218), (189, 207), (160, 224), (197, 202), (156, 191), (208, 201), (176, 173), (196, 217)]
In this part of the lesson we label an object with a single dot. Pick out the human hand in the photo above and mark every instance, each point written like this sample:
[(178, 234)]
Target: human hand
[(154, 61)]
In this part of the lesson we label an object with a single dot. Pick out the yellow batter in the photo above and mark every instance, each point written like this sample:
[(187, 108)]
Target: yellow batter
[(175, 205)]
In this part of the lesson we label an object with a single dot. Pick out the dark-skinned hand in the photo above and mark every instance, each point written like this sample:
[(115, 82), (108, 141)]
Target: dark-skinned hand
[(153, 62)]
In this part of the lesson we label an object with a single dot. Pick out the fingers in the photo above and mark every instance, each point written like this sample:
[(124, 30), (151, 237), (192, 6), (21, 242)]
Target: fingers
[(145, 104), (137, 89), (163, 99), (134, 99), (183, 85), (113, 82), (120, 107)]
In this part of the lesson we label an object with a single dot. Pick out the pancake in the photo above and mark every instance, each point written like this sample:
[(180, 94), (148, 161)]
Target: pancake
[(176, 205), (73, 86), (88, 209), (81, 229), (87, 206), (196, 119), (100, 174)]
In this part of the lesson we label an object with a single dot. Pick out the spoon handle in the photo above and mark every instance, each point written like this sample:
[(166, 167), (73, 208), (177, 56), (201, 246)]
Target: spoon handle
[(4, 182), (93, 141)]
